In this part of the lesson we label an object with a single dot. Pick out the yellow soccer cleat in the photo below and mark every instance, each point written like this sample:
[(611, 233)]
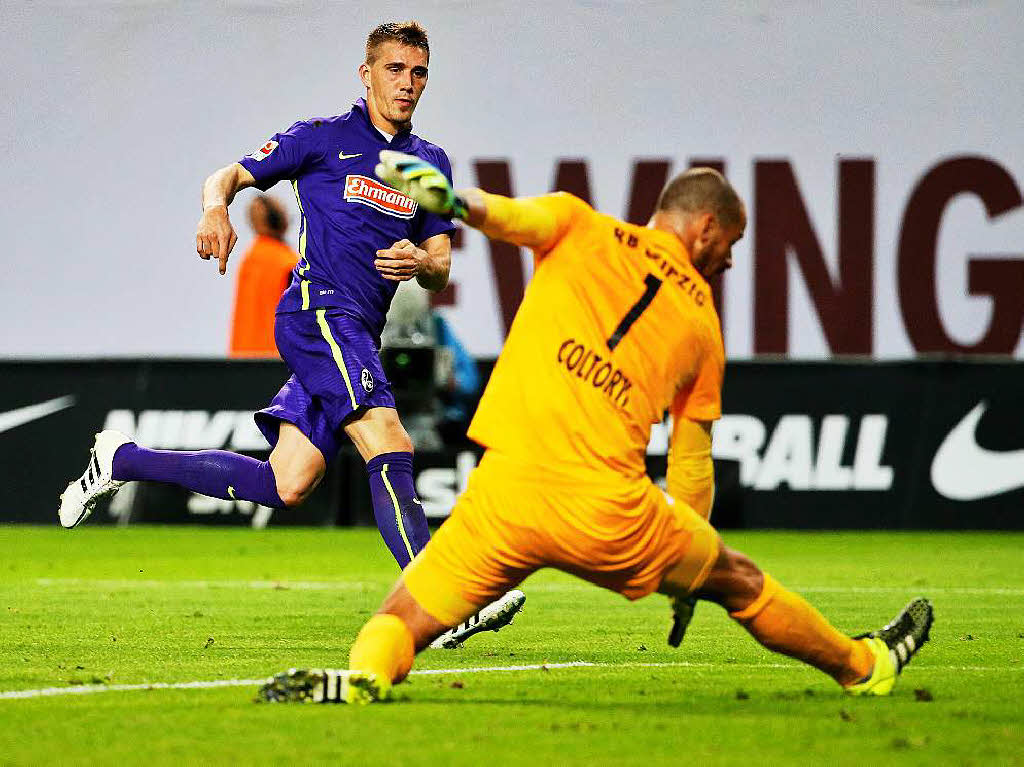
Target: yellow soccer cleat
[(893, 646), (361, 688), (883, 675)]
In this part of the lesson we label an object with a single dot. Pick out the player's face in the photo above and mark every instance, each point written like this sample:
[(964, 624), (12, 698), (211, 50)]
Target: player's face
[(395, 81), (713, 249)]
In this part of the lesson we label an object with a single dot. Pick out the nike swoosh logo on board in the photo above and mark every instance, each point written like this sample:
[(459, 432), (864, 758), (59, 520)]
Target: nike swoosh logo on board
[(22, 415), (965, 471), (343, 156)]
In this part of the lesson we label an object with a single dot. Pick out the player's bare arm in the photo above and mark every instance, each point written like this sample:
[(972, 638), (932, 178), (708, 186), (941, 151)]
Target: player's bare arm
[(214, 234), (430, 262), (691, 473)]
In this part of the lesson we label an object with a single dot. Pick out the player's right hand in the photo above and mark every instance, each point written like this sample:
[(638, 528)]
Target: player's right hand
[(421, 181), (215, 236)]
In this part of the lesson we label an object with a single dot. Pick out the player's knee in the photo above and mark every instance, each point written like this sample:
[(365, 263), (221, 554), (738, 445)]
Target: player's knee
[(378, 431), (406, 442), (397, 437), (289, 498), (297, 465), (734, 581), (397, 440), (293, 489)]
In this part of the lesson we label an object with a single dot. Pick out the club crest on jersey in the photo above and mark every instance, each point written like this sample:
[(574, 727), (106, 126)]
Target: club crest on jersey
[(366, 380), (264, 151), (368, 191)]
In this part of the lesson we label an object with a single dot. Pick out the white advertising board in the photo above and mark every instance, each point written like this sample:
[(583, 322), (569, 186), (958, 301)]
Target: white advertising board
[(878, 147)]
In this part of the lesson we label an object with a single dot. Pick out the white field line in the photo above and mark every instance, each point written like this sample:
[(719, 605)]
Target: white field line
[(260, 585), (88, 689), (126, 583)]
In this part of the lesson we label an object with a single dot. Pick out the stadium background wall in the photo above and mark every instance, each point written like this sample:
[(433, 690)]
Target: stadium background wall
[(893, 445), (876, 144)]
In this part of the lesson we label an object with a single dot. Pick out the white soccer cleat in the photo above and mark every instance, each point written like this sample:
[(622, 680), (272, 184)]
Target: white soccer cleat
[(81, 496), (494, 616)]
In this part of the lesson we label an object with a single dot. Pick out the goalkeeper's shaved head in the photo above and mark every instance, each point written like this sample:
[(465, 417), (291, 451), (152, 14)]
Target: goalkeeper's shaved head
[(701, 190), (703, 210)]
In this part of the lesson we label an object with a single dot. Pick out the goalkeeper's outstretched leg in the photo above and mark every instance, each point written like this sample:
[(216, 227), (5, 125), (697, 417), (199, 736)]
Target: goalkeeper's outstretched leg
[(786, 623)]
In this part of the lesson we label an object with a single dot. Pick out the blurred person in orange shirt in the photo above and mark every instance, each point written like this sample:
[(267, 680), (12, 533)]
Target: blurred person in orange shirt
[(265, 273)]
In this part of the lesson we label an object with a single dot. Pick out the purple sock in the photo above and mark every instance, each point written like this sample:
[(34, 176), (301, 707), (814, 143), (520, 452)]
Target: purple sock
[(400, 517), (216, 473)]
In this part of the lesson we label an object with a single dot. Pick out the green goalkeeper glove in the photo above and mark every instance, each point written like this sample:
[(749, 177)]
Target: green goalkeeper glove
[(421, 181)]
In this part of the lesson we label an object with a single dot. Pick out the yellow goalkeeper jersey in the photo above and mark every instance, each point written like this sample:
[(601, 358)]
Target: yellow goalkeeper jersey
[(615, 328)]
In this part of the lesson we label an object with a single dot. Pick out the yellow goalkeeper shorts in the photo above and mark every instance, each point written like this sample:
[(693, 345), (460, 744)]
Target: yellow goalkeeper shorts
[(512, 520)]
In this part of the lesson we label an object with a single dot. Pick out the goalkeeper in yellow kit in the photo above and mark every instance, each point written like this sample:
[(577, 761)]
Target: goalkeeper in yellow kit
[(616, 327)]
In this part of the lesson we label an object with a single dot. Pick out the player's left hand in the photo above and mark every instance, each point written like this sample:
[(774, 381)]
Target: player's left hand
[(400, 262)]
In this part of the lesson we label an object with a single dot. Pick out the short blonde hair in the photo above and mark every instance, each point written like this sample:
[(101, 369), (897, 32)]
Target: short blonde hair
[(405, 32)]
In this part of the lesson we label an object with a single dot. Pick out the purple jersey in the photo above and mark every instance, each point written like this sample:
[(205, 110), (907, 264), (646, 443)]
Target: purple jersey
[(347, 213)]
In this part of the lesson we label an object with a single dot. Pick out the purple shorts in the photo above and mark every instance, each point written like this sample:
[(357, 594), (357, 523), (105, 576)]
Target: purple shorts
[(336, 372)]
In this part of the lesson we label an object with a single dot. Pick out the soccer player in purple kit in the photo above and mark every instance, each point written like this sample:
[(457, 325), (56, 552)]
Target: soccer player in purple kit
[(358, 239)]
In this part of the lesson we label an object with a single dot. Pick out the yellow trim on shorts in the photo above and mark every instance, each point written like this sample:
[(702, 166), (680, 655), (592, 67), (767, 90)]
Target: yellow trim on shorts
[(398, 509), (339, 360)]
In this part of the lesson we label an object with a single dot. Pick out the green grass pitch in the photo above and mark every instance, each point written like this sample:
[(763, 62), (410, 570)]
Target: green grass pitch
[(100, 607)]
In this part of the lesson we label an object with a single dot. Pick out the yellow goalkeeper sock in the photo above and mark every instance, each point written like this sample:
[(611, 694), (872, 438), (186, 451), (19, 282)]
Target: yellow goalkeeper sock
[(786, 623), (384, 647)]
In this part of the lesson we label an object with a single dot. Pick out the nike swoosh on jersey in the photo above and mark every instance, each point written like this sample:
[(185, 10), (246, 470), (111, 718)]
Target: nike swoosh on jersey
[(343, 156), (22, 415), (965, 471)]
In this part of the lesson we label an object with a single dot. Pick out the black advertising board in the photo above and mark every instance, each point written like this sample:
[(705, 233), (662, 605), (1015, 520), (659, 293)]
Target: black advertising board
[(883, 445), (51, 410), (927, 444)]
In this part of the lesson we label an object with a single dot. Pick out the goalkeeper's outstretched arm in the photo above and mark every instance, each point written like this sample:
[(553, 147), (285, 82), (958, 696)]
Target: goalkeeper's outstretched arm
[(519, 220), (522, 221)]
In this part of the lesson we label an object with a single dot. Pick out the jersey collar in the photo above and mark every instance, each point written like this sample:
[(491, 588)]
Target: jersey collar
[(402, 138)]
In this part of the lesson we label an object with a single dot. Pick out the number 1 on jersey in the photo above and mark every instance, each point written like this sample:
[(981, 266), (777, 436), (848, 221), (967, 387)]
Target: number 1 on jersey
[(652, 283)]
